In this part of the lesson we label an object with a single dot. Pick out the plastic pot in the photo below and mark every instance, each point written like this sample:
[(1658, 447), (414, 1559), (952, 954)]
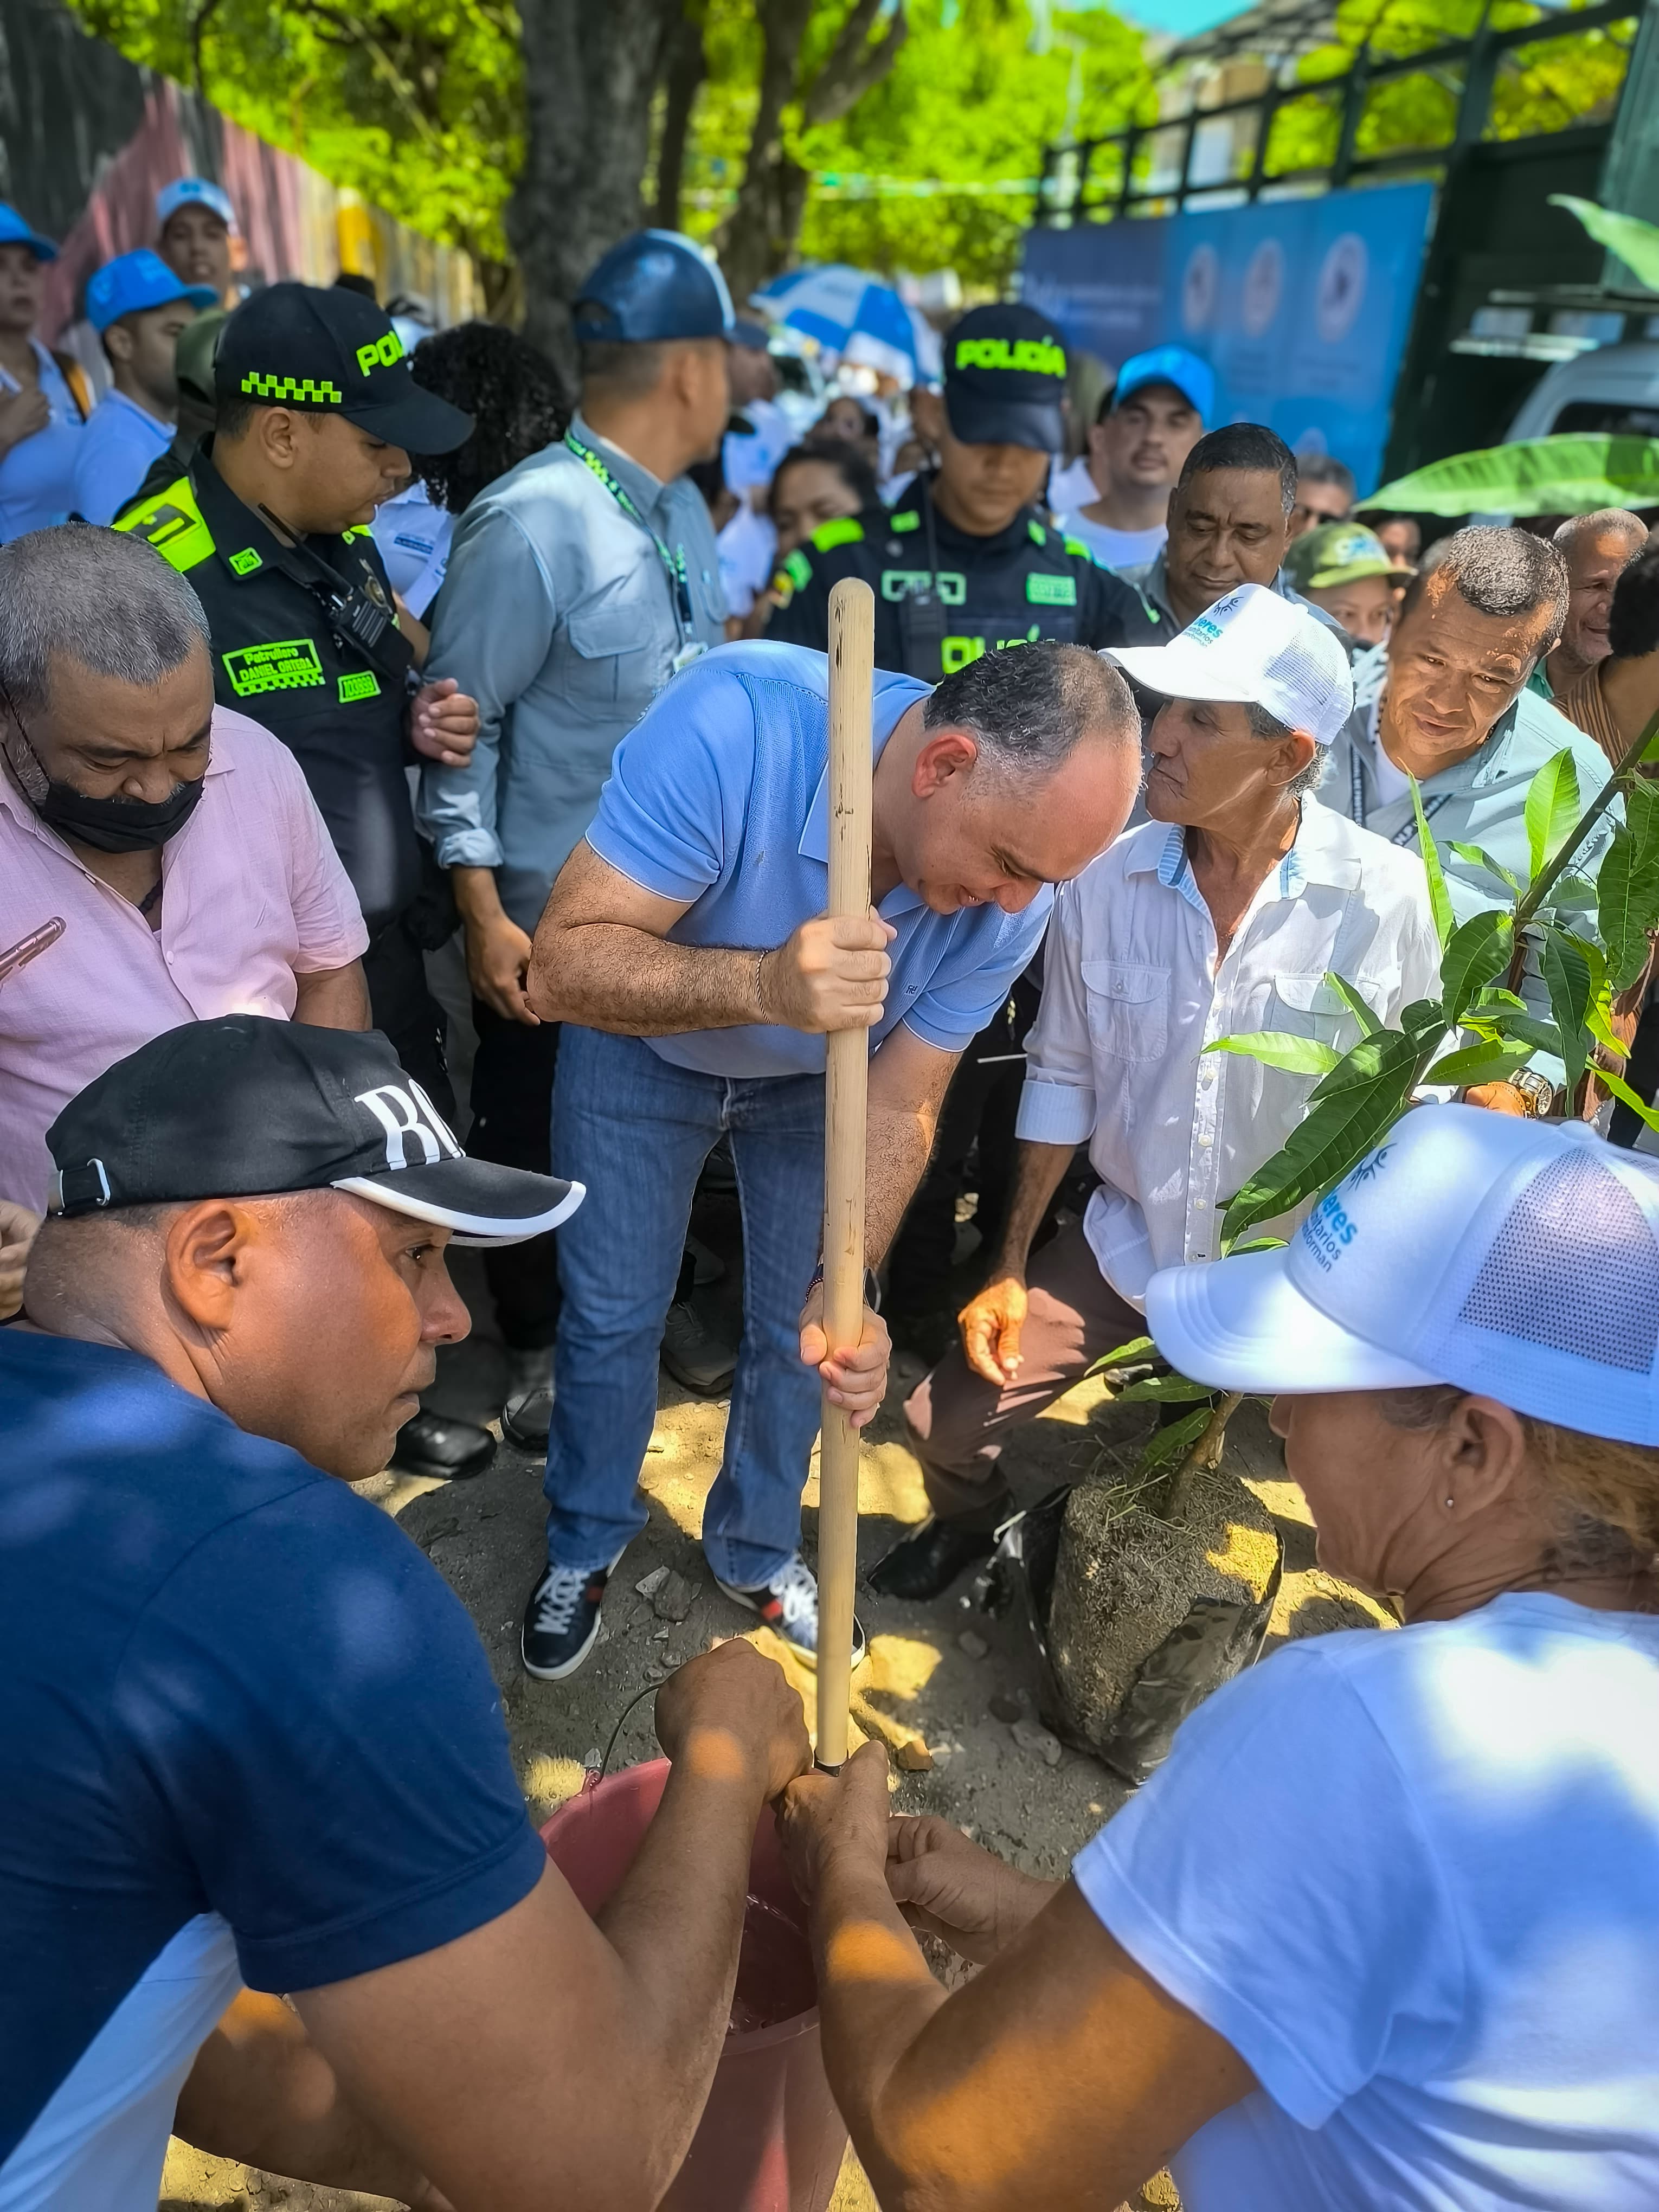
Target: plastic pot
[(770, 2139)]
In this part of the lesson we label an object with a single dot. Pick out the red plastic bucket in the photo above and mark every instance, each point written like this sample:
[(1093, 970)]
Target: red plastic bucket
[(770, 2139)]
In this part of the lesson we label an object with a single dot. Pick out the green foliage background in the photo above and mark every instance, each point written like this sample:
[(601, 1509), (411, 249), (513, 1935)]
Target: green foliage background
[(418, 105)]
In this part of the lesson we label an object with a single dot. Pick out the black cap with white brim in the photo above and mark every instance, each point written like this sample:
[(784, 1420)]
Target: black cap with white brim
[(245, 1107)]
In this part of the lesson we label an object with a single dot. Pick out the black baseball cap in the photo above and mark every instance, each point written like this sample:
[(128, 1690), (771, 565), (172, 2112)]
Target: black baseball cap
[(338, 353), (1004, 379), (245, 1107)]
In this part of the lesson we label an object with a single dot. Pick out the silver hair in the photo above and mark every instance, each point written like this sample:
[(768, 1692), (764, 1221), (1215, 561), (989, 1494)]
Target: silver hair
[(1264, 725), (105, 601)]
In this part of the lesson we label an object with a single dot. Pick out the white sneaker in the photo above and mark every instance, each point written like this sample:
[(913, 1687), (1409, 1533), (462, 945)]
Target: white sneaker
[(788, 1604)]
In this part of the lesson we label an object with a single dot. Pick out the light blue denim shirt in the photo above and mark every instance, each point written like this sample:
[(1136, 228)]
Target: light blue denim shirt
[(721, 798), (557, 616), (1481, 801)]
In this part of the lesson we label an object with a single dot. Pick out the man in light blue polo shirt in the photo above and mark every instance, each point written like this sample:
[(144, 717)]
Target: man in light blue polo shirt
[(138, 308), (686, 948)]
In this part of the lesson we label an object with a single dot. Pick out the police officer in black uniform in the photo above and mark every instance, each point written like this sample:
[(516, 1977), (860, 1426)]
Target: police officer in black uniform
[(967, 559), (317, 418)]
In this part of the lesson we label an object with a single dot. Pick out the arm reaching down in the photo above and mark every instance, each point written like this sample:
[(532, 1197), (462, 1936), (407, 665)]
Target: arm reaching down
[(332, 998)]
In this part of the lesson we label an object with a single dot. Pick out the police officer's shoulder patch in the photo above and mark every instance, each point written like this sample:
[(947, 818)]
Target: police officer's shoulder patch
[(1039, 535), (845, 530), (1077, 548), (799, 569), (172, 522)]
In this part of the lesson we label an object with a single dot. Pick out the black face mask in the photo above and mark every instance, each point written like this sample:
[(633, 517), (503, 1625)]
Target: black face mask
[(108, 825)]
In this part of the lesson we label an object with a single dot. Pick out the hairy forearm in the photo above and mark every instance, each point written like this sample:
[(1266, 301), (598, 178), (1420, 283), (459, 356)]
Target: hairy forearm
[(876, 1998), (897, 1141), (332, 998), (478, 898), (609, 976), (1039, 1170), (260, 2092)]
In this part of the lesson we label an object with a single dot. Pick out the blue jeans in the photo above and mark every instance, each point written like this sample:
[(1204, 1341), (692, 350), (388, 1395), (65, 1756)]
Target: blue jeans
[(636, 1130)]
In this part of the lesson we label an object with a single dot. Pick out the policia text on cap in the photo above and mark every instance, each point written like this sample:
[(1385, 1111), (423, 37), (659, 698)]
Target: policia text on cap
[(317, 415), (964, 562)]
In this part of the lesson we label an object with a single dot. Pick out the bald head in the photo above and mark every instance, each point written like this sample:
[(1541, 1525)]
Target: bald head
[(1596, 548), (313, 1319)]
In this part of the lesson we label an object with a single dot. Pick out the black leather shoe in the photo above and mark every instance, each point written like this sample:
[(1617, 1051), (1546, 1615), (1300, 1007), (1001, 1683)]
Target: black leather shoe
[(926, 1563), (433, 1445), (527, 1419)]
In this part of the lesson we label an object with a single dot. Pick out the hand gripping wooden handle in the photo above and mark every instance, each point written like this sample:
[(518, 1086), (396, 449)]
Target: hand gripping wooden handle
[(852, 669)]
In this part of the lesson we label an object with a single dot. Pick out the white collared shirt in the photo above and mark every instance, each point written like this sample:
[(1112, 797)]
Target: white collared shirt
[(1133, 995)]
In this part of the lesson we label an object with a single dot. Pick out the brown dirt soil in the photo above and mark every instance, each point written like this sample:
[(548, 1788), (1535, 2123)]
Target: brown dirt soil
[(920, 1690)]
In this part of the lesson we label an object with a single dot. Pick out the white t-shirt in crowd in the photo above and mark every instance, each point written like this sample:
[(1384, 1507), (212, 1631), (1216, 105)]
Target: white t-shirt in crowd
[(1115, 549), (1072, 486), (1392, 783), (1412, 1878), (747, 550)]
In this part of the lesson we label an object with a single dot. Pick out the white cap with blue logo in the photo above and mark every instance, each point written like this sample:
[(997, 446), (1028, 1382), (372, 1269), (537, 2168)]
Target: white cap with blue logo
[(1253, 647), (1515, 1258)]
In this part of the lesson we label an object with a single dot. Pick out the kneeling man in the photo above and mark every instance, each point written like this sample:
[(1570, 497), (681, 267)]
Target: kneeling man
[(1223, 915)]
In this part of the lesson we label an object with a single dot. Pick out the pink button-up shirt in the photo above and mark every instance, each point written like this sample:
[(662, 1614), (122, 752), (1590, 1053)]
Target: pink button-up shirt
[(252, 895)]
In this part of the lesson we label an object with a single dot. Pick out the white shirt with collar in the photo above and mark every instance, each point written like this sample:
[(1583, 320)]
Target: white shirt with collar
[(1133, 995)]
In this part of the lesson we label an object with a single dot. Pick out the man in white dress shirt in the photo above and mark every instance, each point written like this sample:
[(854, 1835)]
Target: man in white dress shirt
[(1222, 915)]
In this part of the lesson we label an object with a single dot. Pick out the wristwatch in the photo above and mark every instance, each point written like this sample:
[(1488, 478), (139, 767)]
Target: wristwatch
[(1538, 1091)]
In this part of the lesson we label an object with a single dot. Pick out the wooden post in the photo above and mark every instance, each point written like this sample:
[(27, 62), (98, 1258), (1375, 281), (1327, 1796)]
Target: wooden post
[(852, 666)]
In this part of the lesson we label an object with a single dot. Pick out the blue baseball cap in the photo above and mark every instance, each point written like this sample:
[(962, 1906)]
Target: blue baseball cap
[(1194, 378), (654, 284), (13, 231), (194, 192), (134, 282)]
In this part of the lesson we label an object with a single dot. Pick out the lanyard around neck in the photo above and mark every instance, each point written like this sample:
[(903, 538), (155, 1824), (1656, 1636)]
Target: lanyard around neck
[(673, 563)]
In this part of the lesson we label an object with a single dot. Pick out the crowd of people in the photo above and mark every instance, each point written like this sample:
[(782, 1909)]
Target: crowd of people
[(326, 640)]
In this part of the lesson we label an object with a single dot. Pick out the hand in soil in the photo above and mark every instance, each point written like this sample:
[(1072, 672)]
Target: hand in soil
[(964, 1894), (822, 1815), (732, 1700), (856, 1375), (990, 1325)]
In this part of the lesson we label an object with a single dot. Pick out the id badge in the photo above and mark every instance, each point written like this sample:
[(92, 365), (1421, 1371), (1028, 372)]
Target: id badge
[(686, 655)]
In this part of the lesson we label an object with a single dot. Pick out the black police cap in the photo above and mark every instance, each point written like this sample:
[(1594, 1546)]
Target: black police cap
[(333, 352), (1004, 378), (244, 1107)]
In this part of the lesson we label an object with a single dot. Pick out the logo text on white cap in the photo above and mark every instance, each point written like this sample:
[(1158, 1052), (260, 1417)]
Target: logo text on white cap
[(405, 1114)]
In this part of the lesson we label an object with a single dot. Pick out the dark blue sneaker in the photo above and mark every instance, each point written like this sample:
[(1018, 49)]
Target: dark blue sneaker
[(562, 1620)]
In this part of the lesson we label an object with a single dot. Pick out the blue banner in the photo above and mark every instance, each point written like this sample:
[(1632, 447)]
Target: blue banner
[(1301, 307)]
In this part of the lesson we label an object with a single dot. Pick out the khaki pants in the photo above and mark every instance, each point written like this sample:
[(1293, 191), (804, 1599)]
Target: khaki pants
[(957, 1422)]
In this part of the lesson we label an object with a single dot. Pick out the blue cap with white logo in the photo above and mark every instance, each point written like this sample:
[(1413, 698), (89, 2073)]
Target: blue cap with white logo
[(194, 192), (135, 282), (1195, 379), (13, 231), (653, 285)]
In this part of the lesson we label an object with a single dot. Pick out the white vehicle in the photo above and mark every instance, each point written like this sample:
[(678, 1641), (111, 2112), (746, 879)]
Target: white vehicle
[(1610, 388)]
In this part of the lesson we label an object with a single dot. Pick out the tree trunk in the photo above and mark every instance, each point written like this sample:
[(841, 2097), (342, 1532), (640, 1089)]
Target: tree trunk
[(589, 74), (686, 67)]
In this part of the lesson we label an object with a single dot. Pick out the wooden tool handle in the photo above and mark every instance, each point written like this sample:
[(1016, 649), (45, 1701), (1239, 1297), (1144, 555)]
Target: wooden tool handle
[(852, 669)]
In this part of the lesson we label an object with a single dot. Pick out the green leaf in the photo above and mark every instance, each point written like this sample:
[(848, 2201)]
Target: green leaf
[(1575, 474), (1620, 1088), (1176, 1441), (1166, 1390), (1126, 1355), (1231, 1251), (1478, 856), (1596, 1022), (1571, 981), (1551, 808), (1491, 998), (1542, 1036), (1627, 888), (1348, 1112), (1422, 1018), (1298, 1055), (1369, 1023), (1481, 1063), (1635, 242), (1439, 900), (1479, 949)]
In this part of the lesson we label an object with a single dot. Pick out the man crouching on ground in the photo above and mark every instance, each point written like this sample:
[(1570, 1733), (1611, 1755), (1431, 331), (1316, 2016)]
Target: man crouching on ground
[(248, 1735)]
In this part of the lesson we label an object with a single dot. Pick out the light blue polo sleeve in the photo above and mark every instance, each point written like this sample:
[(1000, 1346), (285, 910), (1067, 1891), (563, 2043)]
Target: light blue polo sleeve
[(1274, 1877), (671, 811), (977, 972)]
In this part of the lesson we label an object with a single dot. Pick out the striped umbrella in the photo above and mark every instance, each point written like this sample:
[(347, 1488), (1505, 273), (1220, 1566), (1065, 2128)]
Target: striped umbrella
[(832, 303)]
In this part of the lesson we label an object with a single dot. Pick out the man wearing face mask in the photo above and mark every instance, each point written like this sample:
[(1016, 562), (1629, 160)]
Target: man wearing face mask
[(162, 860)]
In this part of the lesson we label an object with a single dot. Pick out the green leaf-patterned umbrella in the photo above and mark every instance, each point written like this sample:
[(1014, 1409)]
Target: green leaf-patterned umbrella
[(1571, 475)]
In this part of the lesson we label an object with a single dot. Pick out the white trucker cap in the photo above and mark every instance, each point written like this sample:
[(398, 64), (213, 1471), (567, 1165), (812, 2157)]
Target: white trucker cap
[(1512, 1257), (1257, 649)]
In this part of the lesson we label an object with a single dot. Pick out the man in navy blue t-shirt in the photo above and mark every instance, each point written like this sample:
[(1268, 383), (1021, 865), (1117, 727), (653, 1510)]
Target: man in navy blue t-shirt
[(247, 1734)]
